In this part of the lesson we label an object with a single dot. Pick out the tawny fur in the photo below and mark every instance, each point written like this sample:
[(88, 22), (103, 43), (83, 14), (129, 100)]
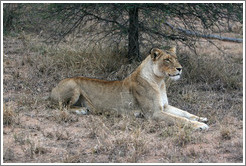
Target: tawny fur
[(143, 91)]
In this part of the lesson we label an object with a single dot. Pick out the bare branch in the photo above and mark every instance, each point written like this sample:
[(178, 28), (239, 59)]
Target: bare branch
[(206, 36)]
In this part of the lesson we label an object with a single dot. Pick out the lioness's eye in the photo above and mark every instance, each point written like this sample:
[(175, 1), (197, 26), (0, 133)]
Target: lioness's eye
[(167, 60)]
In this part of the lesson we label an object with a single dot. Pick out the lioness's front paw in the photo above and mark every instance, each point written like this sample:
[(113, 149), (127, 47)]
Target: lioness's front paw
[(202, 127)]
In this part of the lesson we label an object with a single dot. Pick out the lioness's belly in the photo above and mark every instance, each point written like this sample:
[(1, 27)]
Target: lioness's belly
[(122, 102), (109, 96)]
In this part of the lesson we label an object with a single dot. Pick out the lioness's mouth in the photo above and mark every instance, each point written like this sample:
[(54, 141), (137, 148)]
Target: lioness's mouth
[(173, 75)]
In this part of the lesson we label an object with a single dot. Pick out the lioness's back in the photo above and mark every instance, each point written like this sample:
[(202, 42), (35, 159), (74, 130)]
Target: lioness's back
[(101, 93)]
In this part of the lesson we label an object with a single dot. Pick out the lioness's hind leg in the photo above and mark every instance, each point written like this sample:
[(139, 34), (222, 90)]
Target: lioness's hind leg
[(77, 103), (80, 110), (74, 98)]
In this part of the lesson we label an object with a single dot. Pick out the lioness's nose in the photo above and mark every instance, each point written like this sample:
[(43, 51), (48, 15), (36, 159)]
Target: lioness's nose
[(179, 68)]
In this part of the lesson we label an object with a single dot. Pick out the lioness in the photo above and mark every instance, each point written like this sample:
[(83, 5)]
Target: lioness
[(144, 90)]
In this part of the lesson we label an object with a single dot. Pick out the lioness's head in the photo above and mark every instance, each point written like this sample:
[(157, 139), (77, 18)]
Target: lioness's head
[(166, 63)]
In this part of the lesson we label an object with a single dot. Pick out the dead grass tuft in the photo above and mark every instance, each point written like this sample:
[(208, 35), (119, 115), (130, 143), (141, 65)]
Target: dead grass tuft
[(71, 159), (225, 133), (21, 138), (184, 136), (40, 150), (62, 135), (130, 146), (8, 115), (33, 149), (63, 116), (169, 131), (8, 154)]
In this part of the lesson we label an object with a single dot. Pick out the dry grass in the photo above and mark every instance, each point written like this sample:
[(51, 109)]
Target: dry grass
[(225, 134), (218, 72), (184, 136), (211, 86), (8, 155), (98, 61), (63, 116), (8, 115)]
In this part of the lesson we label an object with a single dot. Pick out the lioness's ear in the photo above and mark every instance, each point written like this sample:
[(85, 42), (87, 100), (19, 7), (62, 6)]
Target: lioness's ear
[(154, 53), (172, 50)]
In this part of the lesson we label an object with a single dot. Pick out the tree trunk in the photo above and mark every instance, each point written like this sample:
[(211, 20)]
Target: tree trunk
[(8, 17), (133, 45)]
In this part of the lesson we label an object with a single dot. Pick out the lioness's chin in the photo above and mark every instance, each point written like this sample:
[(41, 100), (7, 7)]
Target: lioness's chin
[(176, 77)]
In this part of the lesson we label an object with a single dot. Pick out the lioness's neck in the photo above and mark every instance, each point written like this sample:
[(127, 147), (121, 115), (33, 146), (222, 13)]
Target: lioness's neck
[(146, 72)]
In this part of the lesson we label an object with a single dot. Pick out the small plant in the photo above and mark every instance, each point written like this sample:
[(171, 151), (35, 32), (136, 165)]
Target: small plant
[(140, 147), (71, 159), (8, 115), (184, 136), (33, 149), (225, 134), (169, 131), (62, 135), (40, 150), (192, 153), (8, 154), (20, 138), (64, 116)]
